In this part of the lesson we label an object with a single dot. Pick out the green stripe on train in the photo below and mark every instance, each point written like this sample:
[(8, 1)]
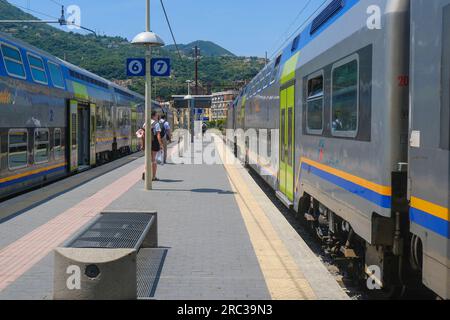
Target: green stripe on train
[(80, 91), (289, 69)]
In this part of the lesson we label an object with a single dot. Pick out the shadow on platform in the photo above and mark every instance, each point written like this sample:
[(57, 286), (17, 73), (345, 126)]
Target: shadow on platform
[(150, 263), (218, 191)]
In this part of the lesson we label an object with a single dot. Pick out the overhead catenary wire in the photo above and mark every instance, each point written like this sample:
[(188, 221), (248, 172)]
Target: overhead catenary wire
[(56, 2), (34, 11), (61, 20), (171, 30), (293, 22), (299, 28)]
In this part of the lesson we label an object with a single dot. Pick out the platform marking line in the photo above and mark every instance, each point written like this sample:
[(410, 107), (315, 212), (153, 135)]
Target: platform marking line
[(283, 277), (21, 255)]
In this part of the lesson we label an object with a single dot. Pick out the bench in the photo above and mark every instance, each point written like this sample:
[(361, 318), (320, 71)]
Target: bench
[(100, 261)]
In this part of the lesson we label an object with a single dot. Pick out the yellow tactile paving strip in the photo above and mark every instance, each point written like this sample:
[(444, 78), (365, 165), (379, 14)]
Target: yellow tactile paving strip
[(283, 278)]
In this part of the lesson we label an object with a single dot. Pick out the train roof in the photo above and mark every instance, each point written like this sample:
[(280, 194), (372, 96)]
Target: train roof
[(319, 21), (67, 64)]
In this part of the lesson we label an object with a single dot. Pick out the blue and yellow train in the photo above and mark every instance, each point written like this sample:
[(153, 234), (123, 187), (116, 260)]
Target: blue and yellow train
[(359, 103), (57, 119)]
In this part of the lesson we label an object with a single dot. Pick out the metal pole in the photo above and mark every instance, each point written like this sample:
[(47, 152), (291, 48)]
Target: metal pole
[(189, 107), (196, 70), (148, 112), (148, 16)]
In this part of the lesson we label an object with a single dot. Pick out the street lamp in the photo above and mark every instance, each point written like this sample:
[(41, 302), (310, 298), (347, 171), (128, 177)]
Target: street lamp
[(188, 97), (149, 40)]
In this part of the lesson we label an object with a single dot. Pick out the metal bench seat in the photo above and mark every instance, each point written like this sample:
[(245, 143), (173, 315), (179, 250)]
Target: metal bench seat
[(115, 230)]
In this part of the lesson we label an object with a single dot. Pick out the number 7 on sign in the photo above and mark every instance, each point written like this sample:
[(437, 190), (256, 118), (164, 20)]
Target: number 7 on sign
[(160, 67)]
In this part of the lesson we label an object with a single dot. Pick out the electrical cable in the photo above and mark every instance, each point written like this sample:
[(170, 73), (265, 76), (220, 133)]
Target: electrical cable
[(171, 31), (293, 22), (296, 30)]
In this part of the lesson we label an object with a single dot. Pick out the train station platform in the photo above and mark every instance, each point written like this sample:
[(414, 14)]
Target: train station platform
[(220, 236)]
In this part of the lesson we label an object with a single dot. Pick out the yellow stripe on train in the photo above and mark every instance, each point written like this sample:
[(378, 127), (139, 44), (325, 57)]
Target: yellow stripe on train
[(29, 173), (430, 208), (382, 190)]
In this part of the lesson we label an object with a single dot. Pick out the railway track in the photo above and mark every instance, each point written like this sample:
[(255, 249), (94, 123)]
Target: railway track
[(339, 268)]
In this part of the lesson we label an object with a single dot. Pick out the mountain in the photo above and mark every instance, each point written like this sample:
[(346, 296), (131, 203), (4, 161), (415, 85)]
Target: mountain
[(218, 69), (207, 49)]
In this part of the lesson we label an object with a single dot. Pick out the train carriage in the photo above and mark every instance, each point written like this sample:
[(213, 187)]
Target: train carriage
[(429, 161), (338, 98), (57, 119)]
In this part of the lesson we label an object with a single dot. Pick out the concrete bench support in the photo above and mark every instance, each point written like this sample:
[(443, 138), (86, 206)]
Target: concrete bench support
[(95, 274), (100, 262)]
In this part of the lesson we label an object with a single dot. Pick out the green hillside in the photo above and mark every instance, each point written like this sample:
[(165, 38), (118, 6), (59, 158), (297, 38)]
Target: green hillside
[(106, 56), (207, 49)]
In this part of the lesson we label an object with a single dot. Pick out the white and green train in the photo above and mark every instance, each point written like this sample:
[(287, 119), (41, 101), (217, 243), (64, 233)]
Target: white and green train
[(361, 102), (57, 119)]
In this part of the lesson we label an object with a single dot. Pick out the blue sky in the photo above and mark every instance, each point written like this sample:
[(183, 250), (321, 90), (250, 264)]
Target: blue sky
[(245, 27)]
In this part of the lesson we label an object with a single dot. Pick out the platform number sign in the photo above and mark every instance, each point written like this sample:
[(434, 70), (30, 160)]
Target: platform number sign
[(160, 67), (135, 67)]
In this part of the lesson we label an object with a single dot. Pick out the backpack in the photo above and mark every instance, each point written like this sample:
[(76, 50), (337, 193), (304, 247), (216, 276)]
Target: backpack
[(154, 135), (163, 129)]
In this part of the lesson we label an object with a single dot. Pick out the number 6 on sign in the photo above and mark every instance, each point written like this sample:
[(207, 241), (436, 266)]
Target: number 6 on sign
[(135, 67), (160, 67)]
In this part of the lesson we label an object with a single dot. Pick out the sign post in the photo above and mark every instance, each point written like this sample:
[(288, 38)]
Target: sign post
[(149, 40)]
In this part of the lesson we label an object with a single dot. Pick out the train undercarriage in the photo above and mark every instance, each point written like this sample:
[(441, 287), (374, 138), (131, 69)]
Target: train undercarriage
[(383, 271)]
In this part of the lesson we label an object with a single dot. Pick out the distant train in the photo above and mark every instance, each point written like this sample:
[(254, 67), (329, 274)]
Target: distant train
[(57, 119), (363, 115)]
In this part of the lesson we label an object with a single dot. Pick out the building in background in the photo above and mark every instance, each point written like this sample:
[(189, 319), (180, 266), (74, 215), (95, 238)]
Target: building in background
[(220, 103)]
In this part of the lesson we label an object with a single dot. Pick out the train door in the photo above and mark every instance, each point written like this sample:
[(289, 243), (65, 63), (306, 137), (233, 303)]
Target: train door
[(93, 134), (286, 169), (81, 137), (73, 135), (134, 128)]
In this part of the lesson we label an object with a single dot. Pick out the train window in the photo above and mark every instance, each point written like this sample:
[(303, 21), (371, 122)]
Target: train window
[(37, 69), (13, 61), (17, 149), (99, 117), (345, 97), (278, 61), (330, 11), (295, 43), (314, 104), (41, 146), (57, 145), (107, 114), (56, 75), (126, 118), (275, 69), (123, 121)]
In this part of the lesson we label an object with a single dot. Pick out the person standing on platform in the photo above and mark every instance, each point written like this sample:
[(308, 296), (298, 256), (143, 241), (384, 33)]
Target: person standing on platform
[(156, 142), (166, 135)]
